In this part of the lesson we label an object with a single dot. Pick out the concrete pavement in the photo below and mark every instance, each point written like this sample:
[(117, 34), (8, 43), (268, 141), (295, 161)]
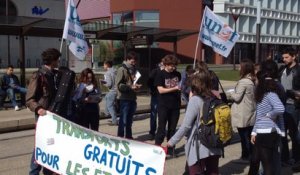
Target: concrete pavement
[(230, 164), (11, 120)]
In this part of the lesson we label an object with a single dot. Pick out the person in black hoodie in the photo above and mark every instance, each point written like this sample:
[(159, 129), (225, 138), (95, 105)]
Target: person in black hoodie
[(154, 99)]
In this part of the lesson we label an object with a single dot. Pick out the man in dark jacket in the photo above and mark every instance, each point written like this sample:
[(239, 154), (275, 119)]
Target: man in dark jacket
[(126, 93), (290, 80), (154, 99), (11, 85), (42, 89)]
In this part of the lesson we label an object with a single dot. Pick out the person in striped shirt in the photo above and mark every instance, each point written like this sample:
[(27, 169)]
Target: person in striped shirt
[(269, 125)]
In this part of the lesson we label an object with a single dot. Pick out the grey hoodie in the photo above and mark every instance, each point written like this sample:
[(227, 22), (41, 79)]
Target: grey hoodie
[(109, 77)]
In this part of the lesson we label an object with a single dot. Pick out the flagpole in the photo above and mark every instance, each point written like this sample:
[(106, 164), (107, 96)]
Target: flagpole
[(61, 44), (197, 45), (196, 51)]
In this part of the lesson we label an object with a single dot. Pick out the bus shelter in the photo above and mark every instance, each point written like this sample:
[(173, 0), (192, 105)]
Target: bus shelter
[(134, 35)]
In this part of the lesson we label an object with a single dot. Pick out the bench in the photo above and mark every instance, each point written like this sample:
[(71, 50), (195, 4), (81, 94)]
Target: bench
[(7, 102)]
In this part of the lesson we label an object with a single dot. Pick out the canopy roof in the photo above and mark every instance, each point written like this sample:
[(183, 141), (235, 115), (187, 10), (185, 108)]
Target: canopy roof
[(28, 26)]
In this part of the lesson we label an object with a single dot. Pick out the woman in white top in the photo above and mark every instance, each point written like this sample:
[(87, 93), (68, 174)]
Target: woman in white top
[(269, 125)]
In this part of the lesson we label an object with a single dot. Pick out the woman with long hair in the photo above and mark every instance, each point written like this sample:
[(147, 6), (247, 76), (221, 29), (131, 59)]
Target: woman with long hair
[(208, 157), (244, 107), (269, 125), (88, 95)]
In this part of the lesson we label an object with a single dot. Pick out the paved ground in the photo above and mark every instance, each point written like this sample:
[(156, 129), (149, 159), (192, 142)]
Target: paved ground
[(12, 120)]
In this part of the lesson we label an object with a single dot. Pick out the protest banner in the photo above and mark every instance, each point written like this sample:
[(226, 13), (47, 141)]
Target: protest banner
[(216, 34), (67, 148)]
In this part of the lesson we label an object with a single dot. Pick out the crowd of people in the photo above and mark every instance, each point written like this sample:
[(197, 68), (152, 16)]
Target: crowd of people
[(265, 106), (264, 110)]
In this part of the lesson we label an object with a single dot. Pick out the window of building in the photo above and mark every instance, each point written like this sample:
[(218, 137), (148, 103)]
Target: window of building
[(116, 18), (144, 18), (147, 18)]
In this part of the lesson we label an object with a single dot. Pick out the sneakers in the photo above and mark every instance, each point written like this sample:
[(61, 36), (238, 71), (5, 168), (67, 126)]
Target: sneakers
[(17, 108), (171, 153), (151, 136)]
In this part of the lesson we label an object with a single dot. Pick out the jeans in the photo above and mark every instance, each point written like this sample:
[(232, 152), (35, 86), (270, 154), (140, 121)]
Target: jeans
[(153, 114), (166, 116), (127, 111), (36, 168), (12, 94), (110, 99), (245, 135), (291, 120)]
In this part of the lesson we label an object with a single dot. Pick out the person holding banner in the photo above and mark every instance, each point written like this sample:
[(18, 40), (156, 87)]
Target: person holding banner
[(41, 92), (126, 93), (202, 160)]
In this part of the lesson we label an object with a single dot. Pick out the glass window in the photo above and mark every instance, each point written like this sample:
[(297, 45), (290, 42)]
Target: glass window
[(147, 18), (127, 18), (116, 18)]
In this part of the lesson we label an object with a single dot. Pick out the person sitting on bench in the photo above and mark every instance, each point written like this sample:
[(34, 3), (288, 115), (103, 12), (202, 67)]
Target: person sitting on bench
[(11, 85)]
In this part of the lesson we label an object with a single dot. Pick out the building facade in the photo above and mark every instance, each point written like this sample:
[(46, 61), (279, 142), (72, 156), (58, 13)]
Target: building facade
[(9, 45), (280, 26), (175, 14), (94, 12)]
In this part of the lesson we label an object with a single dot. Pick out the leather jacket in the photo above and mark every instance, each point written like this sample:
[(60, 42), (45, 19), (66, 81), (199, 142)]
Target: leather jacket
[(42, 89)]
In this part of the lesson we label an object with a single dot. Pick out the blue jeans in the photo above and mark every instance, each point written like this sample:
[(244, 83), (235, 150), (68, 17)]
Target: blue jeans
[(34, 167), (127, 111), (11, 92), (110, 99), (153, 114)]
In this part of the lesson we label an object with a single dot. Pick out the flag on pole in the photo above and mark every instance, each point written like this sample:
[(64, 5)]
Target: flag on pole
[(216, 34), (73, 32)]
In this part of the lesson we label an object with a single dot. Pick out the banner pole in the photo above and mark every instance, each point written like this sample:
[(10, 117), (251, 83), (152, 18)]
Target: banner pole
[(196, 51), (61, 45)]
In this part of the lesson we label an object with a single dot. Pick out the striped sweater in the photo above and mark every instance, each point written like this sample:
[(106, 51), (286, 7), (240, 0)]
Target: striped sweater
[(269, 115)]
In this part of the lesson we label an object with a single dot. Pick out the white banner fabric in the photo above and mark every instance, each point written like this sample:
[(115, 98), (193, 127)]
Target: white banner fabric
[(73, 32), (67, 148), (216, 34)]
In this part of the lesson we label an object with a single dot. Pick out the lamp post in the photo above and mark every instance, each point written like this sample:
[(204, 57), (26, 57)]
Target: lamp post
[(257, 45), (235, 13)]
